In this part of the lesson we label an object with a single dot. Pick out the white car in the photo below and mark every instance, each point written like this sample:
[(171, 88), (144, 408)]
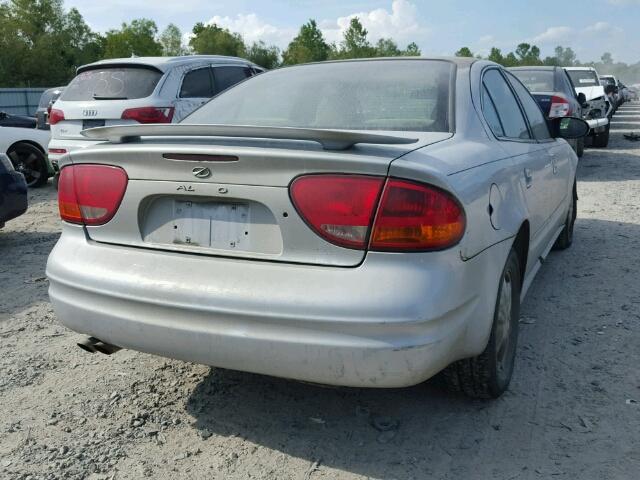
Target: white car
[(597, 110), (126, 91), (26, 148)]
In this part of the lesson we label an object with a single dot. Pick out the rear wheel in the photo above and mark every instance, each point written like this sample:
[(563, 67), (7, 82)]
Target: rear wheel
[(601, 140), (30, 161), (488, 375), (565, 239)]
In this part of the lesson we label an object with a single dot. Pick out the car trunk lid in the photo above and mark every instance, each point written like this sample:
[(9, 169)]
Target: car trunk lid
[(230, 196)]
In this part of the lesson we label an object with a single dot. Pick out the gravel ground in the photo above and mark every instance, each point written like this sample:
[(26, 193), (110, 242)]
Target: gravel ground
[(573, 410)]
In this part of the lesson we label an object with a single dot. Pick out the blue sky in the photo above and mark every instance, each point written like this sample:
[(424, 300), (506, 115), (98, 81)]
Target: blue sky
[(590, 27)]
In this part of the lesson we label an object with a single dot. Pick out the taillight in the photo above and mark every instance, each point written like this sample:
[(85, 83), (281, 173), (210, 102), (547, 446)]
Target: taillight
[(58, 151), (559, 107), (339, 208), (55, 116), (149, 114), (90, 194), (415, 216), (410, 216)]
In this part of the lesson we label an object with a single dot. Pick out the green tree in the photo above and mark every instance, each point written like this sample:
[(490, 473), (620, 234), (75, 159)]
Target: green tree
[(496, 56), (528, 54), (412, 50), (387, 48), (135, 39), (510, 60), (355, 43), (307, 46), (262, 54), (215, 40), (607, 58), (464, 52), (171, 41), (41, 44)]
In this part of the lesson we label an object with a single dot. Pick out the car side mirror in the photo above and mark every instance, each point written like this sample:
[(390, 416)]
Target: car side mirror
[(568, 127), (582, 99)]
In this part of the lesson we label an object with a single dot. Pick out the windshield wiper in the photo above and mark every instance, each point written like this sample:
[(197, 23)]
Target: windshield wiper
[(106, 97)]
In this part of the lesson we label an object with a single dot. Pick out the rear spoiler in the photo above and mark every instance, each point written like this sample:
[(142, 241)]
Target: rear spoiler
[(329, 139)]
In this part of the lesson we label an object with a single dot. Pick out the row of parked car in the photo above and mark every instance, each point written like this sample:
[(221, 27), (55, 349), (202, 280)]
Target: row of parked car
[(577, 91)]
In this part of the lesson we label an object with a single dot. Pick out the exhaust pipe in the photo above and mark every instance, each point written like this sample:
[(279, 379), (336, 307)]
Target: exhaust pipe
[(93, 345)]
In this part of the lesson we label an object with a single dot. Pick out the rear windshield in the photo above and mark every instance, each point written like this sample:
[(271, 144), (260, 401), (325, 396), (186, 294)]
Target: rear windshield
[(584, 78), (536, 80), (400, 95), (112, 83)]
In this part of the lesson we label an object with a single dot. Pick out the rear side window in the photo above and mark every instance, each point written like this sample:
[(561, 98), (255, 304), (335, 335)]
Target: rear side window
[(112, 83), (491, 114), (228, 76), (532, 110), (506, 105), (197, 84)]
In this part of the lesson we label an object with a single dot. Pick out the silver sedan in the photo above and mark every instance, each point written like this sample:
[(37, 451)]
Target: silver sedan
[(361, 223)]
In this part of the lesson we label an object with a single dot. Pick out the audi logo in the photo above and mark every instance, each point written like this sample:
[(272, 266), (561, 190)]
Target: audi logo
[(89, 113)]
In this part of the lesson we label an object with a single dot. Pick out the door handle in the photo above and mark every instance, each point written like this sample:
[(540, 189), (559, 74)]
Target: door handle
[(528, 177)]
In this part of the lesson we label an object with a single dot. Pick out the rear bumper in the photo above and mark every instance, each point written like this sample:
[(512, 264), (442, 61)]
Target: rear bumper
[(386, 323), (597, 125), (13, 196)]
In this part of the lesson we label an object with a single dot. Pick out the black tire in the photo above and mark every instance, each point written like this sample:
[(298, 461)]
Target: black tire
[(30, 161), (580, 147), (488, 375), (565, 239), (601, 140)]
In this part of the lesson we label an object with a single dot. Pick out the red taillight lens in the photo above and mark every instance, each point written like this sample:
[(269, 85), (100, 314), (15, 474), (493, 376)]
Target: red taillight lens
[(55, 116), (339, 208), (149, 114), (90, 194), (58, 151), (414, 216), (559, 107), (410, 216)]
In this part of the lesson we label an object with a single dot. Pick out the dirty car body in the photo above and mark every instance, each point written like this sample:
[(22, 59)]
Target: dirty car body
[(221, 250)]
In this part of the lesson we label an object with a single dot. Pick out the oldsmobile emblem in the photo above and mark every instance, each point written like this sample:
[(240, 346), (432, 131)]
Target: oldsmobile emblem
[(201, 172)]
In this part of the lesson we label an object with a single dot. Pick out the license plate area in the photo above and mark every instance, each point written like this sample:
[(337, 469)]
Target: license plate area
[(92, 124), (218, 225)]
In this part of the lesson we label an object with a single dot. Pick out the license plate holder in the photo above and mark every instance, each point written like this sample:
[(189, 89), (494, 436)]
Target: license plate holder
[(218, 225), (92, 124)]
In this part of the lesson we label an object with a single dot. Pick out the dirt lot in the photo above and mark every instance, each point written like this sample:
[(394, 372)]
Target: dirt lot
[(573, 411)]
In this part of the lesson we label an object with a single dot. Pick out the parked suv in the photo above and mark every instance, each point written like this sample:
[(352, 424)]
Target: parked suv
[(597, 110), (554, 92), (127, 91)]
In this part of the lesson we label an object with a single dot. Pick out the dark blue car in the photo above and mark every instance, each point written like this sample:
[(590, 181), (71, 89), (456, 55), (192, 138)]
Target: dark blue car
[(13, 191)]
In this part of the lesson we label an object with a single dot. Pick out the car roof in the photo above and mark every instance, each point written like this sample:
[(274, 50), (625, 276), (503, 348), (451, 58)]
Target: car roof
[(580, 68), (166, 63), (536, 67)]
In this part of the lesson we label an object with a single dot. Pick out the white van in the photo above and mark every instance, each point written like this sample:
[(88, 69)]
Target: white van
[(125, 91)]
